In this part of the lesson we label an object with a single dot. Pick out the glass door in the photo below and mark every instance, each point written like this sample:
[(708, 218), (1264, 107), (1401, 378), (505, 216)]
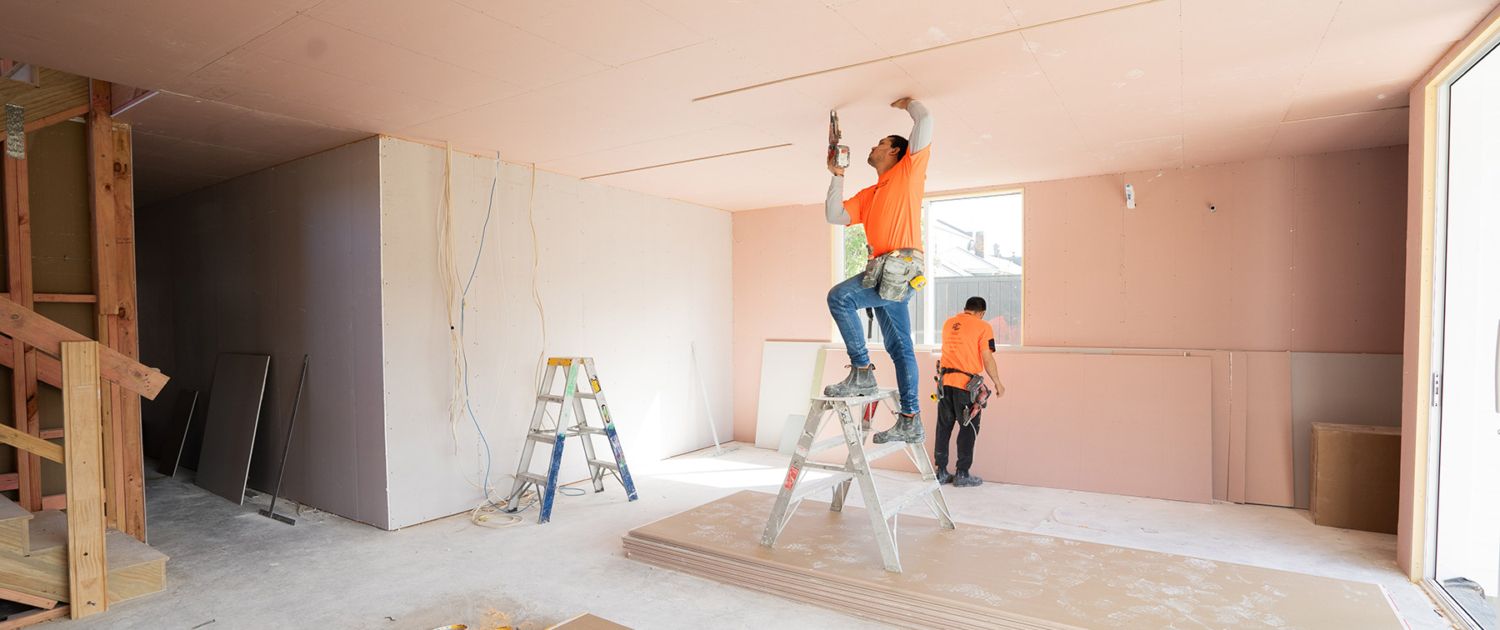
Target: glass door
[(1467, 401)]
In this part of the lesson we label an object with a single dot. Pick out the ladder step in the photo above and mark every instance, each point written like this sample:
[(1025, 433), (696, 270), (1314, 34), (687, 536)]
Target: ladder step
[(557, 398), (603, 464), (883, 450), (825, 445), (807, 489), (551, 438), (539, 480), (825, 466), (900, 503)]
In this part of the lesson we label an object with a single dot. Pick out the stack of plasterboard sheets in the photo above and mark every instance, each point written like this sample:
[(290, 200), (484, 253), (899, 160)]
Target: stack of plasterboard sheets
[(987, 578)]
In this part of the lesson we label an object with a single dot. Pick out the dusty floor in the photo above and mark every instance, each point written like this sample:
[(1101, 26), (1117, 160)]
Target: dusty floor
[(232, 568)]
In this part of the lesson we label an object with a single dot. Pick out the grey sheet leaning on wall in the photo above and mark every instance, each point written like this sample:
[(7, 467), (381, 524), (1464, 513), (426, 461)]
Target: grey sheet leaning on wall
[(174, 442), (229, 426)]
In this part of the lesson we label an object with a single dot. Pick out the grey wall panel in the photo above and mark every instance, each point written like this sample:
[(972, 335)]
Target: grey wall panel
[(283, 262), (1339, 389)]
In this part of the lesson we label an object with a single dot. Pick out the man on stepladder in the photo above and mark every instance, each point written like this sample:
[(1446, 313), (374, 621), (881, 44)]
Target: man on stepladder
[(891, 213), (968, 345)]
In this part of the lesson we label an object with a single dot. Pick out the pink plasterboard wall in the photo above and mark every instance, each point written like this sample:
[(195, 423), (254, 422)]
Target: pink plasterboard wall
[(1299, 254), (1169, 274), (782, 266), (1132, 425)]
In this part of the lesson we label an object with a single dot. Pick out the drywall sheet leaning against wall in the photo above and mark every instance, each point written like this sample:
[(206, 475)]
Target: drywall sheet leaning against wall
[(229, 428), (1358, 389), (1122, 424), (1268, 429), (982, 577), (626, 278), (787, 370)]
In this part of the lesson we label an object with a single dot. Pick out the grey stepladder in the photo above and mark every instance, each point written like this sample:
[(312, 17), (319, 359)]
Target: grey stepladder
[(571, 422), (856, 468)]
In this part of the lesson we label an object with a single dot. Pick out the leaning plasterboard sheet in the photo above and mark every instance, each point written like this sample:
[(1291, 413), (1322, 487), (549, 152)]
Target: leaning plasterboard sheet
[(786, 374)]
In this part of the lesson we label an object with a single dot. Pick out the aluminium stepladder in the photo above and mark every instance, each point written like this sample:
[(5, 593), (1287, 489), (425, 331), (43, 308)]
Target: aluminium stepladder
[(571, 422), (856, 468)]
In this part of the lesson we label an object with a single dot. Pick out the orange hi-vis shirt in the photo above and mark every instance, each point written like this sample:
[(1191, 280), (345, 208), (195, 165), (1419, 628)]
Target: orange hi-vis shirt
[(891, 210), (965, 337)]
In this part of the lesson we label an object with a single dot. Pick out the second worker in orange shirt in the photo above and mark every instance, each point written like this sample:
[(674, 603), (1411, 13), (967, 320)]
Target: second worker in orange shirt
[(891, 213)]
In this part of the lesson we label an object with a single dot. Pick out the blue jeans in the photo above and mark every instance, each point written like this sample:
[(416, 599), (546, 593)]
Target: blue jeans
[(845, 300)]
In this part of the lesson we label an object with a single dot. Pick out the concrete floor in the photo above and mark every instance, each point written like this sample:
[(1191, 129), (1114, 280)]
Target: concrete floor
[(232, 568)]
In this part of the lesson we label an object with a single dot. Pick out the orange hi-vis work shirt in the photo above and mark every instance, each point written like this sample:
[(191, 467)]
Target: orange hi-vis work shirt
[(891, 210), (965, 337)]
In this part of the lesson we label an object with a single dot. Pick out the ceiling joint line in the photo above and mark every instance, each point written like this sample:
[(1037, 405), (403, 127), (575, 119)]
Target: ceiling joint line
[(1367, 111), (924, 50), (697, 159)]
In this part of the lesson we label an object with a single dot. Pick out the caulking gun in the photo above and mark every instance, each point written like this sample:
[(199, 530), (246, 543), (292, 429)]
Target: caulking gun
[(838, 154)]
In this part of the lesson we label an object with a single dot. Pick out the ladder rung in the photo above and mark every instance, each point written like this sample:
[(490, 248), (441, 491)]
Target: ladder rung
[(900, 503), (557, 398), (807, 489), (588, 429), (825, 466), (883, 450), (603, 464), (542, 436), (539, 480), (825, 445)]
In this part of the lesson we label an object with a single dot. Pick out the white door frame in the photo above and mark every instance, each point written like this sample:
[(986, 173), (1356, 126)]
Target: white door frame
[(1439, 280)]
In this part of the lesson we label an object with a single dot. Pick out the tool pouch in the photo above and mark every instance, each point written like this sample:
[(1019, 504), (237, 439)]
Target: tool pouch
[(892, 272)]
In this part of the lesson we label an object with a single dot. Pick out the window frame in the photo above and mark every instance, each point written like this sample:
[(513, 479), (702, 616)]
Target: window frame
[(929, 306)]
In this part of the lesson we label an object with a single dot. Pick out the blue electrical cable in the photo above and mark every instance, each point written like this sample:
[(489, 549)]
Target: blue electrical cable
[(462, 320), (463, 306)]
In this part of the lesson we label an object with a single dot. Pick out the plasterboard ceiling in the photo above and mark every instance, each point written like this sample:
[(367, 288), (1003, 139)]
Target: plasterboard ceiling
[(607, 89)]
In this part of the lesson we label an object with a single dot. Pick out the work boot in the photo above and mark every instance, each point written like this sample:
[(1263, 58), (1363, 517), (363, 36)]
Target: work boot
[(965, 480), (944, 476), (908, 429), (860, 382)]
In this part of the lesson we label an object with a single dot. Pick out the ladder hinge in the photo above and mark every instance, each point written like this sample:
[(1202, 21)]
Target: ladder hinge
[(1437, 388)]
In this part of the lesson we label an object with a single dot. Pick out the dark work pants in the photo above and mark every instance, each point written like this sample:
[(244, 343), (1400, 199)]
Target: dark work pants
[(955, 405)]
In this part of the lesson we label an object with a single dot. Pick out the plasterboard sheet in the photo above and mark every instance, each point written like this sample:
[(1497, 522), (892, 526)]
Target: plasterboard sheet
[(1268, 430), (175, 440), (982, 577), (1123, 424), (786, 379), (229, 426), (1357, 389)]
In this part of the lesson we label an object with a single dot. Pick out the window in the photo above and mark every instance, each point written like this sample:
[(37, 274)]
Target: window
[(974, 247)]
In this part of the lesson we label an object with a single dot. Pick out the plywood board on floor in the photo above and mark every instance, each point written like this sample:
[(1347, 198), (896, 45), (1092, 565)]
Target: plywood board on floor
[(982, 577), (588, 622), (229, 426)]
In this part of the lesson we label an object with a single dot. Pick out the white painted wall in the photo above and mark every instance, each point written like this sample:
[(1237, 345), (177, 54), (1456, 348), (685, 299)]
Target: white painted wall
[(627, 278)]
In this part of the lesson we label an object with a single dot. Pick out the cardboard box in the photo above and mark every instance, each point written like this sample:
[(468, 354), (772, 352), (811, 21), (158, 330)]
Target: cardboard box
[(1356, 475)]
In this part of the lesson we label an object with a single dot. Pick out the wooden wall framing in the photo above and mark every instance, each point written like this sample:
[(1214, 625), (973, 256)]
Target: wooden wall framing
[(61, 97)]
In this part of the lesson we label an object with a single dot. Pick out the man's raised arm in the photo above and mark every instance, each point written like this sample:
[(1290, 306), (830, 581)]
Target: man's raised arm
[(921, 124), (833, 204)]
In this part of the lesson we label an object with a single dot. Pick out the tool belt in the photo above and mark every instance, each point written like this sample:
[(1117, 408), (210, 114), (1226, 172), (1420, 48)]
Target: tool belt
[(979, 393), (894, 272)]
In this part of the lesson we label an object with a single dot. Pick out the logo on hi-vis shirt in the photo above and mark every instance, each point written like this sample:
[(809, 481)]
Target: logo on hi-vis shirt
[(955, 326)]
